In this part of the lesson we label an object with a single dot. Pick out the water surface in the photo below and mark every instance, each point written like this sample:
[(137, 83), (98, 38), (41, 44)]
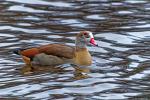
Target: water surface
[(121, 65)]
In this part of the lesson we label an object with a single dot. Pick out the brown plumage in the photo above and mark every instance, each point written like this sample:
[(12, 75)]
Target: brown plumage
[(56, 54), (59, 50)]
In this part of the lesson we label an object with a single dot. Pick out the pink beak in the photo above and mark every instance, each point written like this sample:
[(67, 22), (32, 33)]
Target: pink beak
[(92, 41)]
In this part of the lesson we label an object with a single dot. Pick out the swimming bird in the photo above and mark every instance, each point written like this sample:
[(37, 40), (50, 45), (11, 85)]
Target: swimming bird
[(57, 54)]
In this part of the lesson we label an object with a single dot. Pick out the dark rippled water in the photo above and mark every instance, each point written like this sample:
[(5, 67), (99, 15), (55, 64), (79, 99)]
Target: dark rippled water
[(121, 67)]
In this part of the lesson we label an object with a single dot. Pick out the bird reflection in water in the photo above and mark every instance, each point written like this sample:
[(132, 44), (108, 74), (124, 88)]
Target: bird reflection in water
[(79, 72)]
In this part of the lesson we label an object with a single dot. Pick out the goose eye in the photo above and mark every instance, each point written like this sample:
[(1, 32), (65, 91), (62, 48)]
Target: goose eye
[(86, 35)]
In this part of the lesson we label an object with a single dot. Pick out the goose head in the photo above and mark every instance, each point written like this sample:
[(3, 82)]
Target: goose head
[(84, 38)]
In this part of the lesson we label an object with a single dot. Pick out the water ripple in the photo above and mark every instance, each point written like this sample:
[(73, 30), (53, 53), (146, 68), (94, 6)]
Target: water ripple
[(120, 68)]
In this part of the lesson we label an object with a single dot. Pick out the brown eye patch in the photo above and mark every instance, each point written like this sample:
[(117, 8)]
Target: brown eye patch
[(86, 35)]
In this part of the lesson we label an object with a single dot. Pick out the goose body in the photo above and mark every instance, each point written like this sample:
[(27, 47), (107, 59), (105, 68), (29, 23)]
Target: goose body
[(57, 54)]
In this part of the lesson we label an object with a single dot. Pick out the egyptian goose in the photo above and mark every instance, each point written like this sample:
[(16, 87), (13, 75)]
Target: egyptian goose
[(57, 54)]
